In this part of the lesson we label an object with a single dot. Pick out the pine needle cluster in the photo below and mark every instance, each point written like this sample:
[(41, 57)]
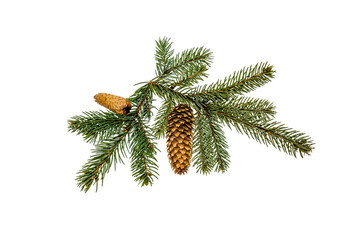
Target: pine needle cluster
[(215, 105)]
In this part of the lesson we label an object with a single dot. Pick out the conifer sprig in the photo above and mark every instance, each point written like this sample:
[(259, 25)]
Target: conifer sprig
[(184, 62), (161, 118), (190, 76), (95, 126), (243, 81), (214, 105), (163, 55), (142, 145), (218, 140), (191, 57), (272, 133), (105, 154), (143, 148), (178, 97), (246, 108), (204, 151)]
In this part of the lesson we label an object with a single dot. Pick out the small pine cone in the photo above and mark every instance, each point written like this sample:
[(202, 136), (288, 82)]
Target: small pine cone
[(114, 103), (179, 138)]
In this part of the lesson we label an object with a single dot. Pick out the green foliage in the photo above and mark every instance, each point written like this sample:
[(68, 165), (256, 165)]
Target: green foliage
[(270, 132), (143, 148), (203, 152), (246, 108), (104, 155), (215, 105), (210, 146), (163, 55), (186, 67), (96, 126), (142, 145), (240, 82), (190, 76), (191, 57), (167, 93), (218, 140), (161, 118)]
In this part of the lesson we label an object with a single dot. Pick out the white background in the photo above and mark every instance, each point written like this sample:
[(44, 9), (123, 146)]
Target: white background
[(55, 55)]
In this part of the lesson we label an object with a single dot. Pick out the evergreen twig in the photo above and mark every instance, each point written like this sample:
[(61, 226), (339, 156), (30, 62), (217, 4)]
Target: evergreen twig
[(221, 156), (143, 162), (163, 55), (246, 108), (240, 82), (142, 146), (185, 60), (95, 126), (104, 155), (190, 76), (204, 152), (216, 104), (178, 97), (270, 132), (161, 118)]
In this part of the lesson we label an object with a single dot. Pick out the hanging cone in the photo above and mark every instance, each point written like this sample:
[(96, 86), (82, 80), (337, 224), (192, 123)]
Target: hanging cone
[(179, 138), (114, 103)]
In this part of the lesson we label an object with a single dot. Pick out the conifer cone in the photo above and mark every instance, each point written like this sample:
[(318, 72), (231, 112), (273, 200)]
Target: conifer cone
[(114, 103), (179, 137)]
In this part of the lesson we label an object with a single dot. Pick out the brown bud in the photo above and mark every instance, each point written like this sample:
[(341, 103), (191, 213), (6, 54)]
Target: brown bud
[(114, 103)]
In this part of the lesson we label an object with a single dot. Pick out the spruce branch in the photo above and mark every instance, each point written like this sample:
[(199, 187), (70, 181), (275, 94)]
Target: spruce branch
[(165, 93), (142, 101), (104, 155), (161, 118), (204, 152), (221, 156), (246, 108), (274, 133), (240, 82), (96, 126), (190, 76), (163, 55), (146, 111), (143, 149), (187, 59), (215, 105), (142, 145)]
